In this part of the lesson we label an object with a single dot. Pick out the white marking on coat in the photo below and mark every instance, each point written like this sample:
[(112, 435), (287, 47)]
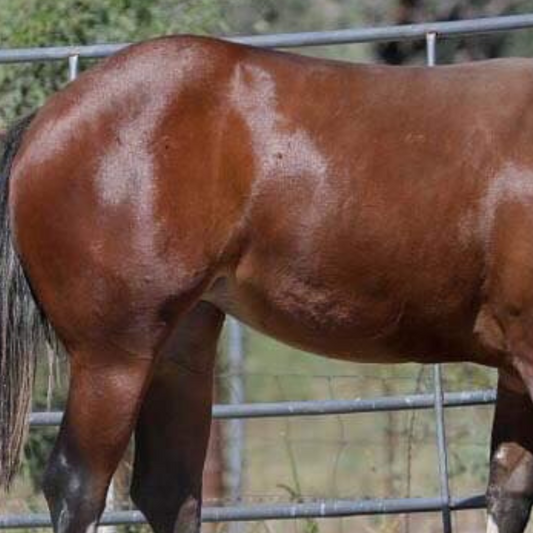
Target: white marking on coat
[(491, 525), (512, 184), (501, 454)]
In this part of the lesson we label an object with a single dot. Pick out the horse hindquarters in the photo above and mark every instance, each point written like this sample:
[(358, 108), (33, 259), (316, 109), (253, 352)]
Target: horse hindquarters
[(173, 427), (168, 394), (510, 489), (102, 407), (505, 328)]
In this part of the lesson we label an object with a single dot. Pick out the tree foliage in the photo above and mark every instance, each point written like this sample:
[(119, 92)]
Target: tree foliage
[(35, 23), (457, 49)]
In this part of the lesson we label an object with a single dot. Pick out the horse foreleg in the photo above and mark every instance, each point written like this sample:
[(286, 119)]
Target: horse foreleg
[(510, 489), (103, 403), (172, 431)]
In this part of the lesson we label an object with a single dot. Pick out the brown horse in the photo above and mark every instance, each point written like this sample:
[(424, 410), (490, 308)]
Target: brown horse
[(366, 213)]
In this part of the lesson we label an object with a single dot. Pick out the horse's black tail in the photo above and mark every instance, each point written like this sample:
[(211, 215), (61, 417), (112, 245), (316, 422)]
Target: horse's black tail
[(24, 331)]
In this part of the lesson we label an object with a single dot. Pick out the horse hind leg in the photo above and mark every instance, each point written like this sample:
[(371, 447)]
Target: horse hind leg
[(504, 327), (173, 427), (105, 393), (510, 489)]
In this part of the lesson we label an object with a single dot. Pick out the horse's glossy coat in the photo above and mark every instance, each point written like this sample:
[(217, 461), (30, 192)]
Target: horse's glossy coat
[(362, 212)]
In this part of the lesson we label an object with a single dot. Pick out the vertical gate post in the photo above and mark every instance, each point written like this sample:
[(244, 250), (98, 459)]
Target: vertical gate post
[(235, 427), (73, 64), (431, 59)]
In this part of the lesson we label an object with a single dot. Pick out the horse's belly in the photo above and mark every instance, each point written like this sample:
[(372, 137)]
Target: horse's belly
[(341, 322)]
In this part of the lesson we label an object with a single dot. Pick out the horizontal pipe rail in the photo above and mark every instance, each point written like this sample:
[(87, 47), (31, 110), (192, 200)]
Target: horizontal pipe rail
[(292, 40), (321, 407), (317, 509)]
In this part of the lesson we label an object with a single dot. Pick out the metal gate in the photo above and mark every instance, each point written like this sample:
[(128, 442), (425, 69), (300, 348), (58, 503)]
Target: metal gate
[(437, 401)]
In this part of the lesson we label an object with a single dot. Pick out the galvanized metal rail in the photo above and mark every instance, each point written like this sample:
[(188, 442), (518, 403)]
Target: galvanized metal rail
[(437, 401), (314, 509), (322, 407), (404, 32)]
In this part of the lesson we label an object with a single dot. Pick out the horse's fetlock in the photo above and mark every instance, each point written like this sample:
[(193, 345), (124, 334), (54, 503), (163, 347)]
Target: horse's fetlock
[(509, 511), (189, 516), (166, 512)]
